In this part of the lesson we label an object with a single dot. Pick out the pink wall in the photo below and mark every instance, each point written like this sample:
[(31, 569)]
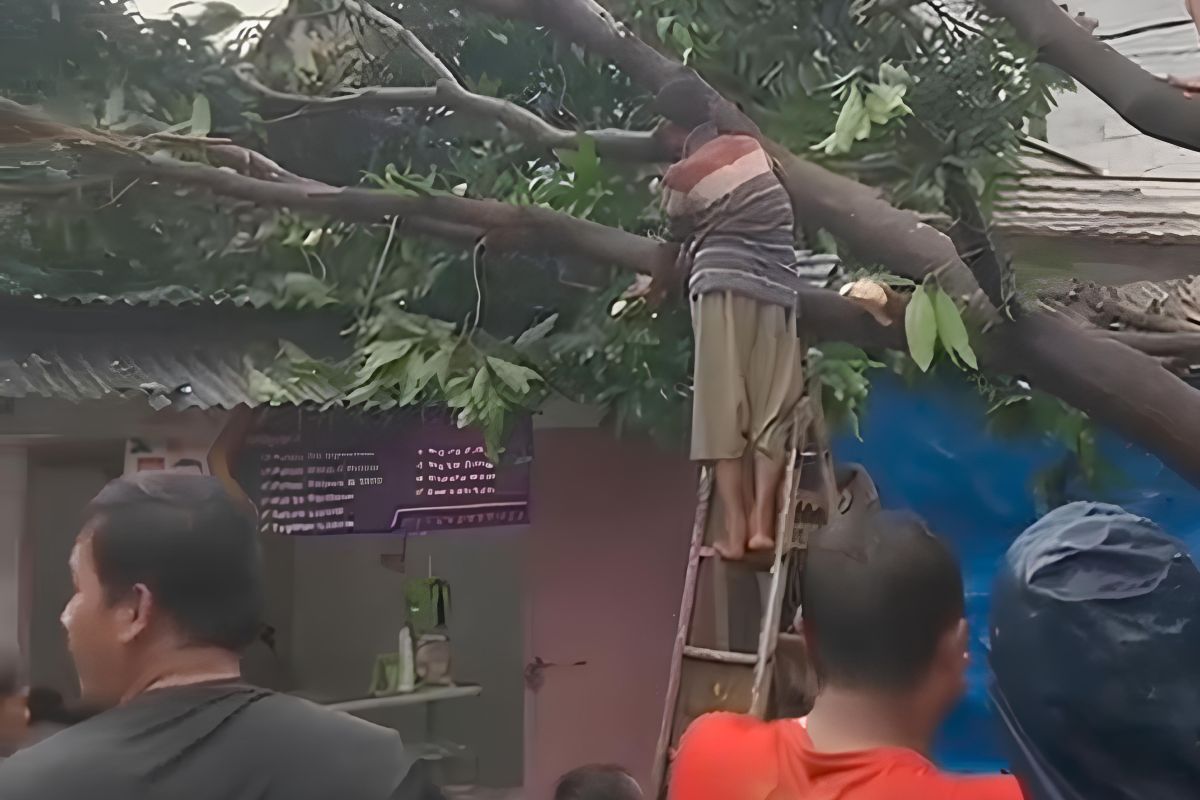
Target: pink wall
[(607, 553)]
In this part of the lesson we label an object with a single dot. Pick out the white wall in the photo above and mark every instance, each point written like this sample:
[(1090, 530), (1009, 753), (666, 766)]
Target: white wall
[(1088, 129)]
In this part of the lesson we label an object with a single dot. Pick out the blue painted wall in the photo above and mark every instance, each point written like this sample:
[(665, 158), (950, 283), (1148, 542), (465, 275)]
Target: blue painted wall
[(928, 450)]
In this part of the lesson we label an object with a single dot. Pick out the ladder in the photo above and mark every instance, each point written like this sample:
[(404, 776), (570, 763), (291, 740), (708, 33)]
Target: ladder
[(712, 675)]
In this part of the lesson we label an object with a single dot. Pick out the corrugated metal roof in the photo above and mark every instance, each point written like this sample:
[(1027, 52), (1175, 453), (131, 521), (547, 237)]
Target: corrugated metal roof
[(176, 296), (1050, 202), (181, 357)]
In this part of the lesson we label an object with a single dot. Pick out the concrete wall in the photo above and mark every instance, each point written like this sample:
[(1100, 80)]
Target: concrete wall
[(54, 456), (14, 597), (1088, 129), (611, 524), (347, 608), (611, 520), (59, 488)]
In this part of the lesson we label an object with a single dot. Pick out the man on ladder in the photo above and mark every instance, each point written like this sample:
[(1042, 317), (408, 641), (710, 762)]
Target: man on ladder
[(754, 420), (726, 203)]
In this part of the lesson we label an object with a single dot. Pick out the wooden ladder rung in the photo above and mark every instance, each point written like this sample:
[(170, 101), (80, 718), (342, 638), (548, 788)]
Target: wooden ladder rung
[(759, 562), (720, 656)]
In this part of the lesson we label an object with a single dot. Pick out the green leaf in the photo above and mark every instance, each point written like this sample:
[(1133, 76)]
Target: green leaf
[(380, 354), (583, 161), (884, 103), (515, 376), (435, 365), (479, 386), (920, 326), (201, 122), (891, 74), (663, 26), (537, 332), (683, 37), (853, 125), (951, 330), (303, 290)]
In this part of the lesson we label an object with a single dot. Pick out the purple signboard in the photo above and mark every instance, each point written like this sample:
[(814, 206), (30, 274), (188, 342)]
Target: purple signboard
[(337, 472)]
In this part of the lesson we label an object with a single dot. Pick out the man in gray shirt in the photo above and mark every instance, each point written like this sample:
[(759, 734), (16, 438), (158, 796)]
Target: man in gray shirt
[(168, 592)]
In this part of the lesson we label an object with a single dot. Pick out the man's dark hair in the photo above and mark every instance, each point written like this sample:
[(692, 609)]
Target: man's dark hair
[(597, 782), (878, 593), (191, 544)]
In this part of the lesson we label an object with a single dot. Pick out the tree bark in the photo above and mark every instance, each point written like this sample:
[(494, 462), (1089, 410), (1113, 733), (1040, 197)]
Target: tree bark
[(1120, 387), (1147, 103)]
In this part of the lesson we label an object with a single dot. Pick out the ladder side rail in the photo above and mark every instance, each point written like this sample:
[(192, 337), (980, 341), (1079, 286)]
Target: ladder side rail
[(703, 502), (768, 634)]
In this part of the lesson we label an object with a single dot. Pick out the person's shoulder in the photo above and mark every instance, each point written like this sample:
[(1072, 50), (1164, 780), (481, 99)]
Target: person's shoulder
[(721, 723), (984, 787), (307, 718), (929, 782), (726, 741), (70, 763), (723, 728)]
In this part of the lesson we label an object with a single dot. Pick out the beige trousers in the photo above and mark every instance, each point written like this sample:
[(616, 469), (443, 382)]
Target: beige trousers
[(748, 376)]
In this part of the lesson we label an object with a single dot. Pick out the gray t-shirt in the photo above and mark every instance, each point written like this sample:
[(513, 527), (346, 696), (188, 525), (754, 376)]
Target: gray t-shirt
[(217, 742)]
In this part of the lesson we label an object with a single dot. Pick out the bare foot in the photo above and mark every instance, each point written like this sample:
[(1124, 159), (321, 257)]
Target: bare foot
[(762, 528), (767, 474), (730, 551), (762, 524), (760, 543), (734, 546)]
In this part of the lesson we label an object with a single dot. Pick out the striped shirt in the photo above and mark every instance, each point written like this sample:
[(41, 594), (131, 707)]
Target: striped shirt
[(735, 217)]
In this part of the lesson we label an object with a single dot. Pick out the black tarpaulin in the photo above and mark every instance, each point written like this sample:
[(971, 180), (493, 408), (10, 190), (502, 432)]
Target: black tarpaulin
[(1095, 654)]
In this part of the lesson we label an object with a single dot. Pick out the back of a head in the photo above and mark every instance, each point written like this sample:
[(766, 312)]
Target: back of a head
[(597, 782), (191, 544), (879, 594), (1095, 637)]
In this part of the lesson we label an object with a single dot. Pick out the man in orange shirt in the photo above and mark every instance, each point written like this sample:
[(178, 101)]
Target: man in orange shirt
[(883, 617)]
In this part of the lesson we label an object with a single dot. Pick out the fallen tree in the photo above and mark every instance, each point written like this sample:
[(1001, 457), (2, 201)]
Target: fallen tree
[(1103, 376)]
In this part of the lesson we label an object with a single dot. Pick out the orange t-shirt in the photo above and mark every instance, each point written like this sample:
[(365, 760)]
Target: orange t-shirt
[(733, 757)]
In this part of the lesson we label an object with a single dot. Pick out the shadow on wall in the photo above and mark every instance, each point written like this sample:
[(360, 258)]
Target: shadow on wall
[(928, 450)]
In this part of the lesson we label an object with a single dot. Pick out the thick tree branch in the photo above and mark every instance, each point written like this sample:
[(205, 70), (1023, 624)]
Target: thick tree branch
[(855, 213), (408, 37), (1115, 384), (504, 227), (1145, 102), (656, 145), (1184, 346)]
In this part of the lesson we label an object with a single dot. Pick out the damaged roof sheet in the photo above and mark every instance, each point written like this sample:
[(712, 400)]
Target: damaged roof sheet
[(181, 357)]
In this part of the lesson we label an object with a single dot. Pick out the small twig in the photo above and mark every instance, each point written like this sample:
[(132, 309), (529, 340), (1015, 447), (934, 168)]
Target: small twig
[(418, 47), (119, 194), (622, 144), (1046, 149), (1149, 27), (370, 298)]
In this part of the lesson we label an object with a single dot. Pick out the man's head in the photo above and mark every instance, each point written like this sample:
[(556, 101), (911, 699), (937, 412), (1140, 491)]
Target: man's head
[(597, 782), (690, 103), (882, 601), (165, 563)]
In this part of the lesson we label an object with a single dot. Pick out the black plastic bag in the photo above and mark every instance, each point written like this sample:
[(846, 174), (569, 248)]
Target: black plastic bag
[(1095, 656)]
